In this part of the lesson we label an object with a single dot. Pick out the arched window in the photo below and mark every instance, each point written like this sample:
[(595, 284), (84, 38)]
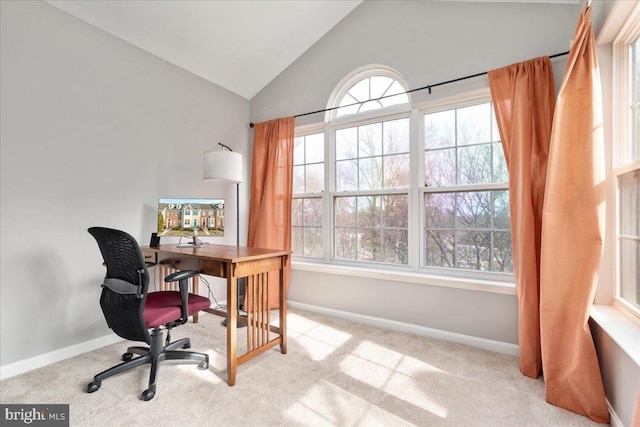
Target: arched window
[(386, 183), (372, 87)]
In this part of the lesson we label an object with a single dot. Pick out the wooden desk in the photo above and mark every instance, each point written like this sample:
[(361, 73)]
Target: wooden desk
[(232, 262)]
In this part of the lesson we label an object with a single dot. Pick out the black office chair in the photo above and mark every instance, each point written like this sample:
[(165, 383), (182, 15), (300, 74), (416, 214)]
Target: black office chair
[(130, 311)]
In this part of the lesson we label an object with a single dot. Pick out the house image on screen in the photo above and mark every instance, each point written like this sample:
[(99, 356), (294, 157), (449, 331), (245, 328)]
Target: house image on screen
[(177, 217)]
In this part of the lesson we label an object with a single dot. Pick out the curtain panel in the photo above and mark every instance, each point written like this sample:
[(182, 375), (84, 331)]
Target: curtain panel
[(271, 190), (523, 96), (572, 234)]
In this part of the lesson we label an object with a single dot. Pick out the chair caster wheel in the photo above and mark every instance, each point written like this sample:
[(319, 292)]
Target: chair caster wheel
[(148, 395), (93, 386), (126, 357), (204, 365)]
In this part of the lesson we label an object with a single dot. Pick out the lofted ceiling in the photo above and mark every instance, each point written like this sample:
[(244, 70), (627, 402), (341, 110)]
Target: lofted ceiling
[(240, 45)]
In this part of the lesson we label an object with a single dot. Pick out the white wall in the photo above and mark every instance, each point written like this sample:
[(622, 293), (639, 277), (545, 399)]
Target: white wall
[(93, 131), (426, 42)]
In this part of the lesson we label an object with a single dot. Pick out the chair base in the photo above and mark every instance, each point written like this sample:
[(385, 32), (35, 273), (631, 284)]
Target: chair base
[(154, 354)]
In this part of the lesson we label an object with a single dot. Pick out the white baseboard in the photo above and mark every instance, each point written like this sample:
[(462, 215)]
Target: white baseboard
[(22, 366), (614, 420), (486, 344), (16, 368)]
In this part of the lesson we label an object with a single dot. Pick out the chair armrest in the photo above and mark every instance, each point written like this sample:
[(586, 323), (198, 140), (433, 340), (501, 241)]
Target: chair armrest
[(182, 277)]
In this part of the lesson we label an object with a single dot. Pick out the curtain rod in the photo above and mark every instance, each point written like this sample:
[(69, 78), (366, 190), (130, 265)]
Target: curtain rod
[(429, 87)]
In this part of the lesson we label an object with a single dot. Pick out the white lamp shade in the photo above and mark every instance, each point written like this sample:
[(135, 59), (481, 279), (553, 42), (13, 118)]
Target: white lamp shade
[(222, 165)]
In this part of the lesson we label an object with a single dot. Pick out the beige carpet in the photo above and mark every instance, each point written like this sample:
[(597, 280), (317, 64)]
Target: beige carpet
[(336, 373)]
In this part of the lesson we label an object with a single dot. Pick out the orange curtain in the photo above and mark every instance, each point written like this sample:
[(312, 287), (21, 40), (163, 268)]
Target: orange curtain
[(572, 234), (271, 189), (523, 95)]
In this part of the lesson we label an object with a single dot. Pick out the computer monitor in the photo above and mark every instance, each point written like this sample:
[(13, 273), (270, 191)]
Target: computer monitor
[(183, 217)]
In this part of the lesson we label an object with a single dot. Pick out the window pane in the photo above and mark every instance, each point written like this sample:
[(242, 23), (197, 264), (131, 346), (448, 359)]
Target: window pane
[(500, 171), (440, 168), (495, 131), (312, 212), (474, 124), (630, 271), (370, 140), (396, 171), (474, 210), (370, 173), (360, 90), (298, 150), (345, 208), (308, 170), (635, 126), (472, 250), (635, 64), (630, 204), (395, 211), (369, 105), (439, 130), (439, 248), (306, 230), (348, 105), (629, 239), (369, 248), (313, 242), (346, 175), (502, 259), (298, 180), (466, 219), (296, 241), (315, 178), (345, 243), (395, 246), (400, 98), (396, 136), (314, 148), (379, 85), (296, 212), (474, 164), (369, 211), (440, 210), (395, 100), (501, 215), (346, 143)]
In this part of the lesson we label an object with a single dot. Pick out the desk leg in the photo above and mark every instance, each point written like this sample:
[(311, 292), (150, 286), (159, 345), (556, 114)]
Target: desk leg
[(283, 311), (232, 325)]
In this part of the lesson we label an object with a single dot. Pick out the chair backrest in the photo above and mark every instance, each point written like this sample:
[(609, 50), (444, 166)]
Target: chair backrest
[(124, 290)]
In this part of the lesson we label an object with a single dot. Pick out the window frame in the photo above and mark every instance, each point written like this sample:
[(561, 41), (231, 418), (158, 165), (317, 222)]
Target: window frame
[(303, 131), (622, 141), (363, 119), (414, 271), (462, 100)]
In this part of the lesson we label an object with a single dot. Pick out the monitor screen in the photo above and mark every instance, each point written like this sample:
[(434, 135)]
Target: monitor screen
[(178, 217)]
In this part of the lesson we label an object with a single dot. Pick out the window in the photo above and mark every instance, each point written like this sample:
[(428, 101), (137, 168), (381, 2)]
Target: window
[(372, 201), (627, 166), (466, 198), (390, 187), (308, 186), (372, 93)]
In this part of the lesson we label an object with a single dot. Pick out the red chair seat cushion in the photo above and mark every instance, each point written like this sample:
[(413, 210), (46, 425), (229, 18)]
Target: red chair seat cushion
[(166, 306)]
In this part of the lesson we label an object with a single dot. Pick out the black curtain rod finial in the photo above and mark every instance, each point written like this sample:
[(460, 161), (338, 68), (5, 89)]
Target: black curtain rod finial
[(251, 125)]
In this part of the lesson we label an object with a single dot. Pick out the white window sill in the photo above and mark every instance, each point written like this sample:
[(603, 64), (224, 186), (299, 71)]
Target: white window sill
[(622, 330), (409, 277)]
